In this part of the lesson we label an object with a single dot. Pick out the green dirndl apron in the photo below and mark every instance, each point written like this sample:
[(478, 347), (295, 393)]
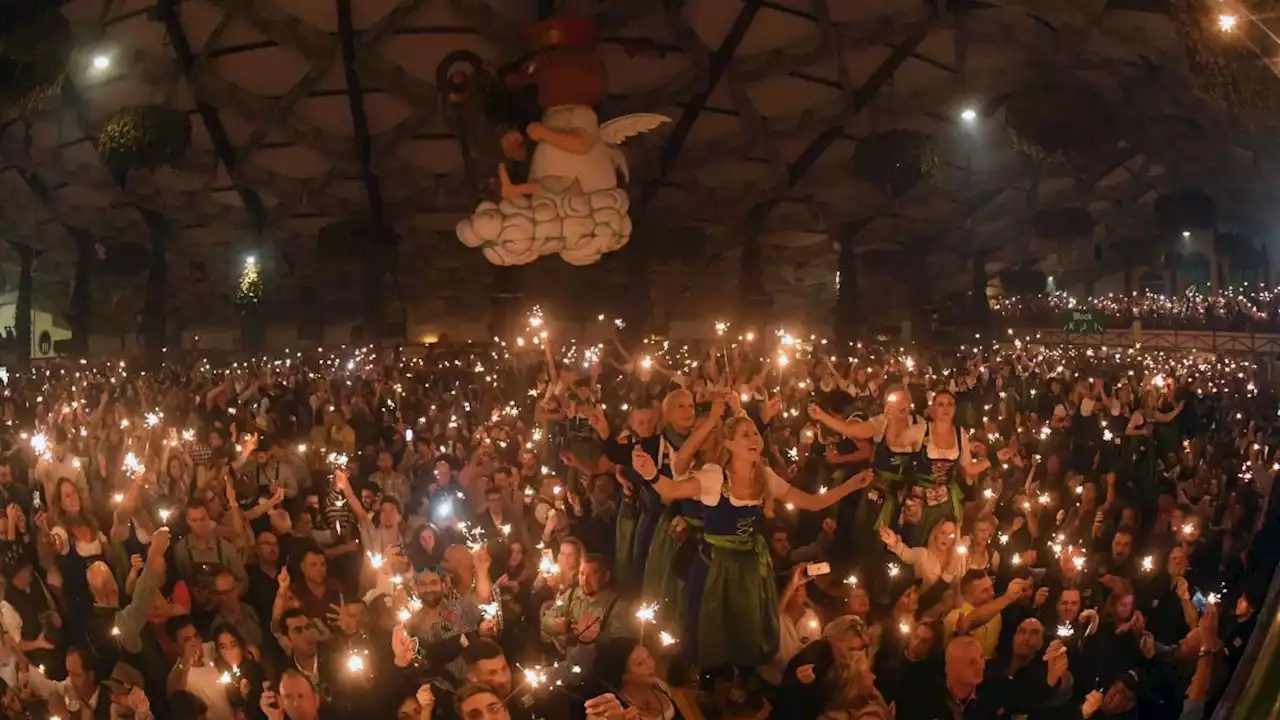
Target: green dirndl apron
[(738, 617), (662, 581), (628, 517)]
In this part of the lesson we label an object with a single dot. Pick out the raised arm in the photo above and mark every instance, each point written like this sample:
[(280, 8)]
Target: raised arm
[(343, 483), (855, 430), (682, 463), (133, 617), (821, 501), (670, 490)]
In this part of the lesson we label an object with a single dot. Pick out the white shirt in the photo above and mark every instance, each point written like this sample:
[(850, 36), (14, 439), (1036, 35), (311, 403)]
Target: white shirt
[(711, 478), (792, 638), (203, 683)]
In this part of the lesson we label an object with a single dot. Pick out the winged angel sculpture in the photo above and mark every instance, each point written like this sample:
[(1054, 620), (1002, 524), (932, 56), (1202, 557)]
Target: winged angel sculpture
[(571, 204)]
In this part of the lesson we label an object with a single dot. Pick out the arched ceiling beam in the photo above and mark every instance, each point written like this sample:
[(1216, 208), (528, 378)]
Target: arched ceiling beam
[(718, 65), (364, 141), (168, 12)]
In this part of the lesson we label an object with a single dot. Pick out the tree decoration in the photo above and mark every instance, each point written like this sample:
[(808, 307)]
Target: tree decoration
[(895, 159), (35, 43), (1221, 44), (1059, 119), (144, 137), (249, 289)]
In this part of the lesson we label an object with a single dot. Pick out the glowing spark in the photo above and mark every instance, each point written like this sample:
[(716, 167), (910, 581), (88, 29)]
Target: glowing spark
[(893, 569), (1227, 22), (665, 638), (1065, 630), (1148, 564), (647, 612)]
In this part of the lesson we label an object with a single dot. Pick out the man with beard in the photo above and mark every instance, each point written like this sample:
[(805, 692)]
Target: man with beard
[(444, 628), (591, 614)]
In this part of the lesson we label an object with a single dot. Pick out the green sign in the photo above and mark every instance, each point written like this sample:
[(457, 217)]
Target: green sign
[(1084, 321)]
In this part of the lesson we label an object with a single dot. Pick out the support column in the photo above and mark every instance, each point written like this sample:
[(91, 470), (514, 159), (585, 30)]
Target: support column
[(752, 299), (154, 307), (980, 309), (80, 315), (374, 319), (848, 320), (22, 313)]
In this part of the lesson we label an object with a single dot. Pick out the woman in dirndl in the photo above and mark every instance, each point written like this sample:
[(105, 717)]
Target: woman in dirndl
[(663, 579), (731, 601)]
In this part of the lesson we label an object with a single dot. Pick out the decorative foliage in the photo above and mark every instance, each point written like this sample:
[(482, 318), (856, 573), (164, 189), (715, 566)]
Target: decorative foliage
[(1222, 55), (35, 42), (249, 289), (144, 137), (1058, 118), (896, 160)]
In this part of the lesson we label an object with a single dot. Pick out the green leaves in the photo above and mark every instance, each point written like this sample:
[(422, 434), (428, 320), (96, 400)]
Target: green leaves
[(144, 137)]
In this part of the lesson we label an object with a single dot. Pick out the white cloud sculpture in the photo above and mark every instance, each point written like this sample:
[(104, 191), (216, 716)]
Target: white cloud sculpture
[(580, 227)]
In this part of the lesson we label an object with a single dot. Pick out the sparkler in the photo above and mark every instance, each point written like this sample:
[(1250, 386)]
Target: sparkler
[(646, 614), (1065, 630), (1148, 564), (132, 465), (666, 639), (893, 569)]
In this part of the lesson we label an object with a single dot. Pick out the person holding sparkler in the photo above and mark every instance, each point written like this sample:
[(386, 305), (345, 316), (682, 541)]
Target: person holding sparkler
[(732, 596)]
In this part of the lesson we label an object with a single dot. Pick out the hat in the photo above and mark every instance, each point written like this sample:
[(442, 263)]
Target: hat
[(124, 677), (562, 32), (845, 625)]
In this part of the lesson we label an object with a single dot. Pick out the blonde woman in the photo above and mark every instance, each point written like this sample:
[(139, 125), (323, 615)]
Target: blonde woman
[(853, 693), (938, 560), (731, 596)]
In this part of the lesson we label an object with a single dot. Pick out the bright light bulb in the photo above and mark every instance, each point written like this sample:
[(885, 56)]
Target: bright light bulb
[(101, 62), (968, 115)]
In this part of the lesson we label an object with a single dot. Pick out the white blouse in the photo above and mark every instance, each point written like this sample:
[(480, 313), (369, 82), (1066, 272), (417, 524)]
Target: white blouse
[(711, 478)]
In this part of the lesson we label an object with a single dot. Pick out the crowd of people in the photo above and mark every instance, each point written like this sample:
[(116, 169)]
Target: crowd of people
[(766, 526), (1249, 308)]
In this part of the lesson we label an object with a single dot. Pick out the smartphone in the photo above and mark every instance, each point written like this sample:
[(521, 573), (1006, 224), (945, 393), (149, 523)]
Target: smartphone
[(549, 555), (1200, 601), (816, 569)]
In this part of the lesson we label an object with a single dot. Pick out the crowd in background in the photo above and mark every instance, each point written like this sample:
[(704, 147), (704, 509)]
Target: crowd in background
[(1247, 308), (751, 526)]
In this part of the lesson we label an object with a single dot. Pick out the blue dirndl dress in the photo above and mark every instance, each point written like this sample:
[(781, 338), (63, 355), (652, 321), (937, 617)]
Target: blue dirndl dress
[(731, 599)]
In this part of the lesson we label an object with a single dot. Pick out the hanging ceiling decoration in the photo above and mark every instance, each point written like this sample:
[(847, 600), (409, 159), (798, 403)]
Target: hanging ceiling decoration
[(570, 204), (1059, 119)]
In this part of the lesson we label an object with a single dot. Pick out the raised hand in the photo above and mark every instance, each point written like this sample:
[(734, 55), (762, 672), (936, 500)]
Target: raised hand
[(643, 463)]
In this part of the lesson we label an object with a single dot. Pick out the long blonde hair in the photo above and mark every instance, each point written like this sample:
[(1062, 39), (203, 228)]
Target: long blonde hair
[(760, 483)]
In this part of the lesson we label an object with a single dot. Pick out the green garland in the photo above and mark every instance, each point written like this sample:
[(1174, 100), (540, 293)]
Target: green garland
[(35, 44), (144, 137), (1224, 65), (1059, 119)]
